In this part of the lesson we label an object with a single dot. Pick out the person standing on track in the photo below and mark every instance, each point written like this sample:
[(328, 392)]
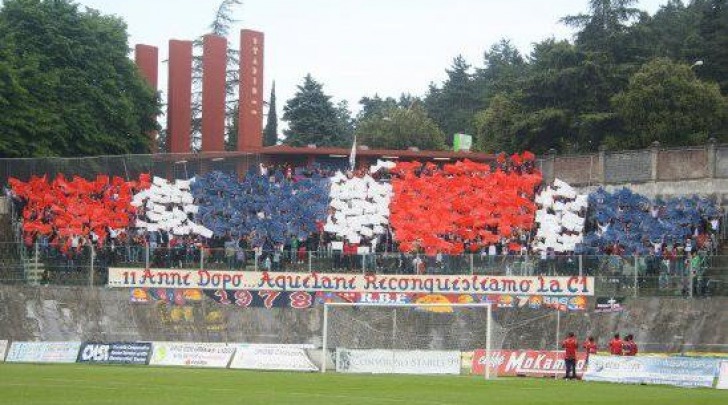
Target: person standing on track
[(630, 347), (616, 345), (570, 346)]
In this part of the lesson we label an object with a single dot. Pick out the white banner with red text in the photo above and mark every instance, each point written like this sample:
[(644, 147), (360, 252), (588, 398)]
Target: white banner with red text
[(350, 283), (532, 363)]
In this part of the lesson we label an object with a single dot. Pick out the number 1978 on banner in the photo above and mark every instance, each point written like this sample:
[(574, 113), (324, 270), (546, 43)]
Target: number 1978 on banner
[(264, 299)]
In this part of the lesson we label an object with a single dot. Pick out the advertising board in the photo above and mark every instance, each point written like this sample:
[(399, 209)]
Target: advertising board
[(43, 352), (212, 355), (272, 357), (534, 363), (115, 353), (397, 361), (679, 371)]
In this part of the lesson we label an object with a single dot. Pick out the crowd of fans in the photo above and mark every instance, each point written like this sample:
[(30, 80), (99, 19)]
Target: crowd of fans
[(274, 218), (69, 215), (464, 206)]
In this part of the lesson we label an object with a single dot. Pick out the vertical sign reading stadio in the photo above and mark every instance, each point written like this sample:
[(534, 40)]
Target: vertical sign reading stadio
[(250, 132)]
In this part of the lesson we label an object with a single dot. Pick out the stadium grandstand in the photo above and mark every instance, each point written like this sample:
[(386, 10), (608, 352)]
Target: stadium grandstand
[(223, 253)]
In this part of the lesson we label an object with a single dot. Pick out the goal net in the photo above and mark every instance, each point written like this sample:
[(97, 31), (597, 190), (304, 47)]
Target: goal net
[(408, 338)]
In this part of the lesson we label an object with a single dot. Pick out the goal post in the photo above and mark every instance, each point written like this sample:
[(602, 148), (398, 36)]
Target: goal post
[(421, 328)]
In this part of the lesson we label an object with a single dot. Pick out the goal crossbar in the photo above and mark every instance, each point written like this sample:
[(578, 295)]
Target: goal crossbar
[(409, 305), (487, 306)]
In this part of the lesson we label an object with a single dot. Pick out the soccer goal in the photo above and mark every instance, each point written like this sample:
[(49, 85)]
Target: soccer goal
[(407, 338)]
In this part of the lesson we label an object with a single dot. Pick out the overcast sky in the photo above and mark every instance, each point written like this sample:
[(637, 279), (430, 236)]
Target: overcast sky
[(357, 48)]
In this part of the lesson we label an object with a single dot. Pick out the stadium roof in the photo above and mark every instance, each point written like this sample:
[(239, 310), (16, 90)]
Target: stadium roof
[(376, 153)]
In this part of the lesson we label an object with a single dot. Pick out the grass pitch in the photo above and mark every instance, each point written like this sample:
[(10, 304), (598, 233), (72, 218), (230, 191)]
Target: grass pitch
[(86, 384)]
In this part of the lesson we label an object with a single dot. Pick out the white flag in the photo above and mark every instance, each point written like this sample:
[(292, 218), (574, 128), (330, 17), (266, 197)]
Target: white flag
[(352, 155)]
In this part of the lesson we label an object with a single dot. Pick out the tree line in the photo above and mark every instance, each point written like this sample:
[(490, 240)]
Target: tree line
[(626, 79)]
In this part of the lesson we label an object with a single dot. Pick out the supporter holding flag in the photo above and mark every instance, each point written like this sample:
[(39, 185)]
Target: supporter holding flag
[(590, 346), (616, 345), (570, 346)]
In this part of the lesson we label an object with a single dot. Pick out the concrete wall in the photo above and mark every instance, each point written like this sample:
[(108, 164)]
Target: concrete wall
[(717, 188), (46, 313), (653, 172)]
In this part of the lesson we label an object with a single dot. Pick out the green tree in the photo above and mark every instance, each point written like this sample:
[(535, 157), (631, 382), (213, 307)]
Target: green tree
[(345, 122), (604, 28), (579, 84), (452, 107), (67, 87), (675, 32), (714, 39), (665, 102), (544, 129), (313, 119), (376, 106), (270, 134), (558, 77), (400, 128), (503, 71), (496, 125)]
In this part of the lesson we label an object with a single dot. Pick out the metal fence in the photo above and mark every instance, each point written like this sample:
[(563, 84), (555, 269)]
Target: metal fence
[(614, 275)]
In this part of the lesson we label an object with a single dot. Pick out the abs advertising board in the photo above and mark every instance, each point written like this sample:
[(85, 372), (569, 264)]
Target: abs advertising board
[(212, 355), (115, 353), (534, 363), (679, 371), (351, 283), (272, 357), (397, 361), (43, 352)]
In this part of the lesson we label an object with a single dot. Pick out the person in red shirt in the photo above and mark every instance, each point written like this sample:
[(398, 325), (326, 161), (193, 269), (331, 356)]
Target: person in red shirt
[(615, 345), (590, 346), (629, 346), (570, 346)]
